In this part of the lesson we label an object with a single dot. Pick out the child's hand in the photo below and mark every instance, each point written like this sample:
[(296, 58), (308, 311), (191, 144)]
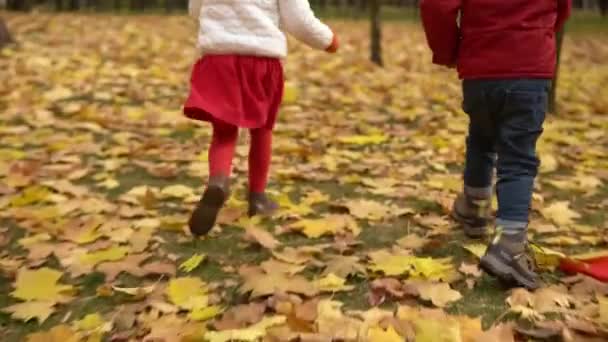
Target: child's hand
[(335, 44)]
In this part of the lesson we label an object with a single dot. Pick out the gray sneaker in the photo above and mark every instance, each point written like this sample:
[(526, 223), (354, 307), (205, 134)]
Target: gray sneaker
[(474, 214), (510, 259)]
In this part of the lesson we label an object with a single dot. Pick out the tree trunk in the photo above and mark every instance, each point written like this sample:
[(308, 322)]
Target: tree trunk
[(604, 8), (5, 36), (553, 96), (376, 32)]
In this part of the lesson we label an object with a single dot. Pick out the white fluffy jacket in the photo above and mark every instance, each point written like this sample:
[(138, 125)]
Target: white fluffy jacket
[(255, 27)]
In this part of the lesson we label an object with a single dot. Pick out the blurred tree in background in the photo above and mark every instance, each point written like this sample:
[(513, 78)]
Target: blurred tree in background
[(5, 36)]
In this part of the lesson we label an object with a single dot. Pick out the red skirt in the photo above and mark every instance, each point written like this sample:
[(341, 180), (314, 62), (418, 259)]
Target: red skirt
[(244, 91)]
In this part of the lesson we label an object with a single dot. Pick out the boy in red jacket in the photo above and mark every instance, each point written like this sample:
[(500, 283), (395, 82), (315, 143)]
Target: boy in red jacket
[(505, 52)]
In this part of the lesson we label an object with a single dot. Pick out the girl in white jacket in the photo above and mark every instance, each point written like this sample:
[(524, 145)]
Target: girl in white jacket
[(238, 83)]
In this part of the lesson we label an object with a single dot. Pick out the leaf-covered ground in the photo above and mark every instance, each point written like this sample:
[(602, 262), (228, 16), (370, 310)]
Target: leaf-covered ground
[(99, 170)]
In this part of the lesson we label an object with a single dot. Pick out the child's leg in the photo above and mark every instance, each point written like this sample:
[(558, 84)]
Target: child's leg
[(221, 151), (521, 121), (472, 208), (259, 165), (480, 160), (521, 126), (259, 159)]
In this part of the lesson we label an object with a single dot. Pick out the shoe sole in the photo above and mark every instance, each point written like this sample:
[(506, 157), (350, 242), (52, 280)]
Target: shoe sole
[(498, 269), (205, 215), (470, 231)]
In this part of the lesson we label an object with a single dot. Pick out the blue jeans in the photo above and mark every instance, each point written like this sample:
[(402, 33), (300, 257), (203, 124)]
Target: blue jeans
[(506, 120)]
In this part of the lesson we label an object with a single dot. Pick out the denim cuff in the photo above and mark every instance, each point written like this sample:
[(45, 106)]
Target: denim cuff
[(511, 227), (478, 193)]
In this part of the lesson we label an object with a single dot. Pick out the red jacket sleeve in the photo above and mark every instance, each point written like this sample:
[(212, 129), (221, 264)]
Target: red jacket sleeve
[(439, 18), (564, 9)]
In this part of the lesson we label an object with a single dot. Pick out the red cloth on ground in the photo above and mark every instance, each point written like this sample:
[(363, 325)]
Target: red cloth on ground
[(244, 91), (223, 145), (596, 268), (495, 38)]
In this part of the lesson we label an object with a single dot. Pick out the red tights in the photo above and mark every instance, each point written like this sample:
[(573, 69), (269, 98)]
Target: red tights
[(223, 145)]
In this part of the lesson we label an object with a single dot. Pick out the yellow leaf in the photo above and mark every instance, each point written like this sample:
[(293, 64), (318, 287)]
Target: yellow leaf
[(333, 224), (430, 330), (253, 333), (88, 236), (420, 268), (31, 195), (332, 322), (560, 213), (135, 291), (34, 239), (364, 139), (192, 263), (561, 241), (110, 254), (377, 334), (205, 314), (439, 294), (188, 293), (40, 285), (93, 322), (39, 310), (547, 258), (177, 191), (603, 301), (290, 94), (477, 249), (368, 210), (333, 283), (60, 333), (393, 265)]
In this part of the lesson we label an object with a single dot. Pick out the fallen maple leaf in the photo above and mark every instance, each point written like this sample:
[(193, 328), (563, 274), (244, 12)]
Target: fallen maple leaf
[(39, 310), (259, 283), (192, 263), (110, 254), (330, 225), (251, 334), (470, 269), (40, 285), (262, 237), (377, 334), (241, 316), (364, 139), (498, 333), (333, 283), (560, 213), (368, 210), (440, 294), (344, 266), (59, 333), (188, 293), (412, 241), (332, 322)]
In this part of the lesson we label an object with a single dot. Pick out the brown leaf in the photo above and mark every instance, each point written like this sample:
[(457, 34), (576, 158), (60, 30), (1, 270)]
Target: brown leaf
[(470, 269), (262, 237), (307, 311), (412, 241), (344, 266), (259, 283), (241, 316), (499, 333)]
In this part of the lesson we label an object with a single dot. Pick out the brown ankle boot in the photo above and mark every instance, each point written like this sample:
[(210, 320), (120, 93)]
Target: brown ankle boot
[(204, 216), (260, 204)]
